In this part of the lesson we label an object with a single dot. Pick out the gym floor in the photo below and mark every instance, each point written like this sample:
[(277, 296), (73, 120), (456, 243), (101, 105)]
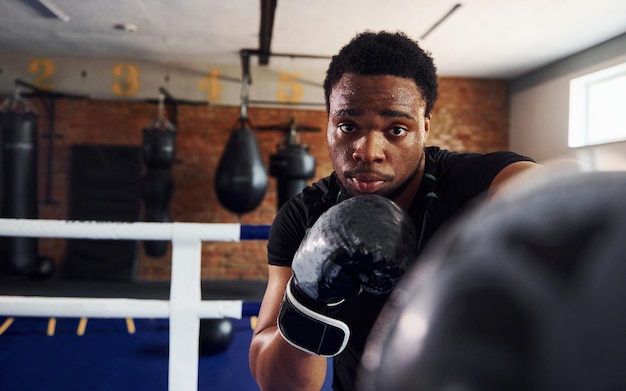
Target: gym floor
[(38, 353)]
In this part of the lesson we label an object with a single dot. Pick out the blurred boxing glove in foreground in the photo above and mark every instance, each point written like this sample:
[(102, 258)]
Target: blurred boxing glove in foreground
[(525, 293)]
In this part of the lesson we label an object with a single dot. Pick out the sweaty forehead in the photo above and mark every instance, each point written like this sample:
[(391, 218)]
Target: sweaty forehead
[(363, 92)]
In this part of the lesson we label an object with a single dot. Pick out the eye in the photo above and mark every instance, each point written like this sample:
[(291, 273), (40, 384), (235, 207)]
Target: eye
[(347, 128), (397, 131)]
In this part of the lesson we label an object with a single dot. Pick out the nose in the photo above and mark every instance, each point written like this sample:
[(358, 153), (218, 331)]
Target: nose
[(370, 148)]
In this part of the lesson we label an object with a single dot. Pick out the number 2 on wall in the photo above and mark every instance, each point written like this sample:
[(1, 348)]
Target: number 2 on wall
[(43, 69)]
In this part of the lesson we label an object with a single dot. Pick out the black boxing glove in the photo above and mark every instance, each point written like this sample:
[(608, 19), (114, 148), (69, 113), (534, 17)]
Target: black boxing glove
[(365, 243)]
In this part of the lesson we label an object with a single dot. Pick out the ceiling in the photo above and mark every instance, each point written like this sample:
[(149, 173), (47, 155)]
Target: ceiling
[(479, 38)]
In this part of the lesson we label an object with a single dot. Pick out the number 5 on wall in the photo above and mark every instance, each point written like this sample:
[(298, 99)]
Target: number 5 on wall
[(287, 81)]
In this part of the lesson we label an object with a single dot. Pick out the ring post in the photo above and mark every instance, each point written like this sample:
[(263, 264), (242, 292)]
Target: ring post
[(185, 307)]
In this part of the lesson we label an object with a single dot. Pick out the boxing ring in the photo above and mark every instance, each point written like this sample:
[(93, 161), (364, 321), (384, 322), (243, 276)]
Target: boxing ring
[(185, 306)]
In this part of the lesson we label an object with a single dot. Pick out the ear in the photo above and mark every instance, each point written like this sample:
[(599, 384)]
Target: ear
[(427, 125)]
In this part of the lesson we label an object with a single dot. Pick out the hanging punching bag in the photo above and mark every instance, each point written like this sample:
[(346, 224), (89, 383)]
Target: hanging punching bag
[(156, 190), (159, 146), (241, 179), (159, 153), (18, 129), (292, 166)]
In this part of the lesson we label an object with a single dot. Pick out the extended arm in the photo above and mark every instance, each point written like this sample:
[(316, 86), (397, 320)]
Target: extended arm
[(363, 244), (275, 364), (510, 172)]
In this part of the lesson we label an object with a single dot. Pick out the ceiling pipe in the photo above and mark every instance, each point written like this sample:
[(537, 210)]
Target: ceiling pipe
[(246, 78), (268, 9), (55, 9), (446, 16), (246, 53)]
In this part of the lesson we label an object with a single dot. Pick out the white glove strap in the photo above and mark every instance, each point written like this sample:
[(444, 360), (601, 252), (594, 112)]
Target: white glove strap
[(311, 331)]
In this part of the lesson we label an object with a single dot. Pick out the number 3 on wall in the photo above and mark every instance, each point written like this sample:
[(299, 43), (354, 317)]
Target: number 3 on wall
[(128, 76)]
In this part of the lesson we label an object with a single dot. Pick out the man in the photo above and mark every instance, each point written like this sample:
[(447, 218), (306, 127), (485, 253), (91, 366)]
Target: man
[(380, 91)]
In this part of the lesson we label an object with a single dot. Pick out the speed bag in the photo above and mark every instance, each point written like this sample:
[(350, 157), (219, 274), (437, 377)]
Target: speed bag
[(241, 178)]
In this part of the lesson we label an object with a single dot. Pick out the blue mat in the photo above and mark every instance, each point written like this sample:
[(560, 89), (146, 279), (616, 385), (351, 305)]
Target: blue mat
[(108, 357)]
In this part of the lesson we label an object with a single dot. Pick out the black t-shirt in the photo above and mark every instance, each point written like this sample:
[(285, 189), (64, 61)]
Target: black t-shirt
[(451, 181)]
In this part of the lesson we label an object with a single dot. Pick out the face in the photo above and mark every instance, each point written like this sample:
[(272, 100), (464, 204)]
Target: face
[(376, 133)]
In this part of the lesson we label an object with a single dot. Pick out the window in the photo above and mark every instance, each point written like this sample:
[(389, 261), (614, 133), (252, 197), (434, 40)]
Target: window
[(598, 107)]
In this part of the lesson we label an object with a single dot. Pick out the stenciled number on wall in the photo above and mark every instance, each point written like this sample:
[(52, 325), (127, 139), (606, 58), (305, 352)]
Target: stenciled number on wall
[(42, 69), (211, 84), (128, 79), (289, 90)]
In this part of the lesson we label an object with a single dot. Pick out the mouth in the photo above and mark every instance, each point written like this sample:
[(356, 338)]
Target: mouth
[(366, 183)]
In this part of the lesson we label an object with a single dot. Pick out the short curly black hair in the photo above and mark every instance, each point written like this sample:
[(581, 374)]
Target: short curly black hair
[(385, 53)]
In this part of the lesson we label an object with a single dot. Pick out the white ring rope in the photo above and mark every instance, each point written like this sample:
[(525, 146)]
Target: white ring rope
[(117, 230), (184, 308), (79, 307)]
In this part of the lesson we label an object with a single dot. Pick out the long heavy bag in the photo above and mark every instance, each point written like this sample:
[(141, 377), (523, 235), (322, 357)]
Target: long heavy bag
[(19, 186), (156, 189), (241, 178), (159, 154)]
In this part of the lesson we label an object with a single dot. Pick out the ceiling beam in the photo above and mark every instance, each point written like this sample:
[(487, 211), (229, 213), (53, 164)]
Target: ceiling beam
[(268, 9)]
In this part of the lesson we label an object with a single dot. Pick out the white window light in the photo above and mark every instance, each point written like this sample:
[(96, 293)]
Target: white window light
[(598, 107)]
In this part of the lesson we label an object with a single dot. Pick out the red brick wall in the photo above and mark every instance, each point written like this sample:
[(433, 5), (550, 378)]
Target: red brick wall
[(470, 115)]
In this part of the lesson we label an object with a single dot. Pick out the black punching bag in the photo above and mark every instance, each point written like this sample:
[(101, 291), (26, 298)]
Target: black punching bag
[(18, 135), (159, 145), (241, 178), (159, 153), (292, 166)]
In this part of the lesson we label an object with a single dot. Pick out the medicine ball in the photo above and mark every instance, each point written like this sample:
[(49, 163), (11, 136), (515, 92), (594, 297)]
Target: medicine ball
[(216, 336), (44, 268), (526, 292)]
